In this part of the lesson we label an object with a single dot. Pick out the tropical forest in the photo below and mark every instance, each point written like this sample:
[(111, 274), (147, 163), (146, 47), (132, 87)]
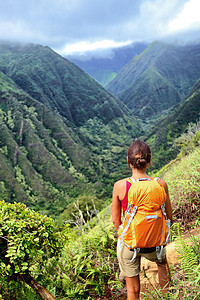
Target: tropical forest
[(64, 133)]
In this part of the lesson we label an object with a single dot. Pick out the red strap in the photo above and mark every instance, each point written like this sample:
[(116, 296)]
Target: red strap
[(125, 199)]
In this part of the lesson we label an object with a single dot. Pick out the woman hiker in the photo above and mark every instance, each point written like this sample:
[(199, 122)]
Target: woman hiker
[(138, 158)]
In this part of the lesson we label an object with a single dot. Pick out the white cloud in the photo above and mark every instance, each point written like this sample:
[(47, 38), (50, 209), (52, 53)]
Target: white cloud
[(85, 46), (189, 17)]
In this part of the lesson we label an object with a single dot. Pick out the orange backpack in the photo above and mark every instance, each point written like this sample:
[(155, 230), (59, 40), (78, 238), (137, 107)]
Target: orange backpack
[(145, 226)]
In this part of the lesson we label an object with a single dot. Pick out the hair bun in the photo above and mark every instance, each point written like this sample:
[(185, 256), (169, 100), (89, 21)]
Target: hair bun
[(140, 162), (139, 154)]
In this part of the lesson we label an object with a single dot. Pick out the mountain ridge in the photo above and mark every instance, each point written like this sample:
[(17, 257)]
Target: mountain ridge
[(161, 73), (163, 134)]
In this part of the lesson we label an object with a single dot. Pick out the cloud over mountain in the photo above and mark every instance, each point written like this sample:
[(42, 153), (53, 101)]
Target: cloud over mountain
[(61, 23)]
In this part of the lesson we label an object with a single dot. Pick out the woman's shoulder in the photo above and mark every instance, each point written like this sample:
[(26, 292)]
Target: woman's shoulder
[(162, 182), (119, 188), (120, 183)]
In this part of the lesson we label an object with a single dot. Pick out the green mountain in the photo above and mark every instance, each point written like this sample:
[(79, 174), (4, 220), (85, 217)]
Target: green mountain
[(57, 83), (161, 137), (64, 138), (158, 79), (104, 69), (62, 134)]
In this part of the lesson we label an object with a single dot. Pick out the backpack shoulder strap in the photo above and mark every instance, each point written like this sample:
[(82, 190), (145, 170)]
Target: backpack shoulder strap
[(131, 180), (158, 180), (144, 179)]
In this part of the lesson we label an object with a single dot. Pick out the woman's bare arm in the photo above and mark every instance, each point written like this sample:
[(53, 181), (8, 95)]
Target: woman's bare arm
[(118, 192)]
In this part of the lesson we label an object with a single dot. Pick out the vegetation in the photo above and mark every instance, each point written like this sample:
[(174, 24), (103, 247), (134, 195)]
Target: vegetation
[(63, 142), (87, 267), (27, 241), (183, 178)]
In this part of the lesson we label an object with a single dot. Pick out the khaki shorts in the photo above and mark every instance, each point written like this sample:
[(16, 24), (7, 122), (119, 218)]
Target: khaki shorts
[(130, 269)]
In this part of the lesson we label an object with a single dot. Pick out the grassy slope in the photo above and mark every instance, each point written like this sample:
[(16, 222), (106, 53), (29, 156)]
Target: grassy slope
[(183, 179)]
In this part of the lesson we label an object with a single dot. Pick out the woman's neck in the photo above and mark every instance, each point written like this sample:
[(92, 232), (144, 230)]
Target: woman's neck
[(139, 173)]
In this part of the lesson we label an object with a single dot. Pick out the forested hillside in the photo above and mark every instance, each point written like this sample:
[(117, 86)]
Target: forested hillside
[(61, 133), (158, 79), (104, 69), (162, 136), (58, 84)]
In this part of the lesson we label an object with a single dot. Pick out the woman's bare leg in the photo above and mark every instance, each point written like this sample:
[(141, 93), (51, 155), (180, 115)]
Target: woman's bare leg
[(164, 276), (133, 287)]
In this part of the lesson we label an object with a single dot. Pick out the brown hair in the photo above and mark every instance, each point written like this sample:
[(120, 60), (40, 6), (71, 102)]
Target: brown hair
[(139, 154)]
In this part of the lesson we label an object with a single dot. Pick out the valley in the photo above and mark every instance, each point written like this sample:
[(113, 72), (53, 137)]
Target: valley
[(61, 131), (63, 144)]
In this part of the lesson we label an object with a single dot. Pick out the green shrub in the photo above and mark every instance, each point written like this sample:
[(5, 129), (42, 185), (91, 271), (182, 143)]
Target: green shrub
[(27, 241)]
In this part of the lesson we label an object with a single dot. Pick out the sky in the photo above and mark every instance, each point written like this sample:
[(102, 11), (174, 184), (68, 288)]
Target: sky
[(79, 26)]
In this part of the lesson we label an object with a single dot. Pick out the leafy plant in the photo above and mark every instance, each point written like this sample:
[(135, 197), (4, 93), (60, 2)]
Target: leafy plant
[(190, 257), (87, 267), (27, 241)]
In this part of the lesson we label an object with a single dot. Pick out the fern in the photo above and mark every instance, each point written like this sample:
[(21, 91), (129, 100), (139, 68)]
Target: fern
[(190, 257)]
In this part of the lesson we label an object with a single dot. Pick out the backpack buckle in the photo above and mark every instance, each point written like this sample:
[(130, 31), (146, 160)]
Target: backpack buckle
[(135, 253), (159, 252)]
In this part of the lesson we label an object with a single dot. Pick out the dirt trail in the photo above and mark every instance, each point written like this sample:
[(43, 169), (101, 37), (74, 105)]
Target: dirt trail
[(150, 269)]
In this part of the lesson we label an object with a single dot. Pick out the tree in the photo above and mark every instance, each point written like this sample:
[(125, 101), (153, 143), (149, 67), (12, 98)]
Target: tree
[(190, 140)]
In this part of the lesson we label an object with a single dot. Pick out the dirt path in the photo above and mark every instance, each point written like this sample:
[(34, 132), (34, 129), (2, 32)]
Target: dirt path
[(150, 269)]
